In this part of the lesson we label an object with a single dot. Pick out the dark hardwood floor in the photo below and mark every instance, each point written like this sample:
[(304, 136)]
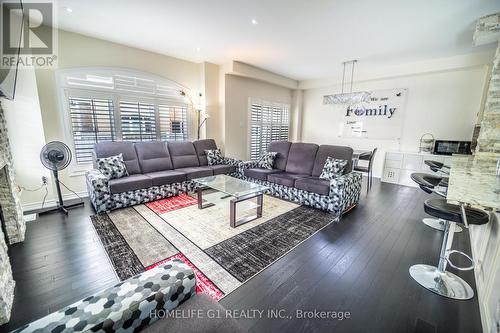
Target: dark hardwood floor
[(359, 265)]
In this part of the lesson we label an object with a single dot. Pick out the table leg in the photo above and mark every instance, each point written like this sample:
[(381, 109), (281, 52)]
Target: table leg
[(199, 194), (232, 213), (232, 210), (259, 205)]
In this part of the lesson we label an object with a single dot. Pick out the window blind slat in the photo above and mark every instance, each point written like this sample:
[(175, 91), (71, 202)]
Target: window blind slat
[(173, 122), (138, 121)]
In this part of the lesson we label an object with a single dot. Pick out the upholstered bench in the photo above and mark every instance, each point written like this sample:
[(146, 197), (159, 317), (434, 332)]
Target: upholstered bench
[(135, 304)]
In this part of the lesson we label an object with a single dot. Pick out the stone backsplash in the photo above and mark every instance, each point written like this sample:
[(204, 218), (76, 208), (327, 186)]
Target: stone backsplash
[(13, 220), (489, 136)]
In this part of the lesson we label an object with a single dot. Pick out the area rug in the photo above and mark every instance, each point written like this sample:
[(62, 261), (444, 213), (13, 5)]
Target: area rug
[(170, 204), (223, 258)]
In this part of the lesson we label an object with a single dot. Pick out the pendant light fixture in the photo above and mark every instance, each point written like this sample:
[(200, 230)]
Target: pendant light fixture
[(348, 98)]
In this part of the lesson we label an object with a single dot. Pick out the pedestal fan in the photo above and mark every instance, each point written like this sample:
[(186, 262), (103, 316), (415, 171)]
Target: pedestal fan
[(56, 156)]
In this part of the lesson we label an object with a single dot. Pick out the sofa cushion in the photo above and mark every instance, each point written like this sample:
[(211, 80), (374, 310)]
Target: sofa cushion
[(183, 154), (112, 167), (313, 184), (333, 168), (282, 148), (197, 172), (223, 169), (267, 160), (214, 157), (166, 177), (260, 174), (285, 178), (339, 152), (109, 148), (153, 156), (219, 322), (200, 146), (301, 158), (130, 183)]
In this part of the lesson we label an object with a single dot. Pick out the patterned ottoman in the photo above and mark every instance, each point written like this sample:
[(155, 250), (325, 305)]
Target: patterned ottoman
[(125, 307)]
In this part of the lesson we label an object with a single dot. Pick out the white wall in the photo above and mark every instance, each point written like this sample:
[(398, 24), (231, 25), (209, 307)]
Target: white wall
[(445, 104), (24, 124)]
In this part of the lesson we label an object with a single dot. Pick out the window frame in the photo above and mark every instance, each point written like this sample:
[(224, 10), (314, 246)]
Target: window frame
[(66, 91), (272, 105)]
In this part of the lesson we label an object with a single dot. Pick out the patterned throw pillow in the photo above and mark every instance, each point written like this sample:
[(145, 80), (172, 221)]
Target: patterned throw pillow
[(214, 156), (112, 167), (267, 160), (333, 168)]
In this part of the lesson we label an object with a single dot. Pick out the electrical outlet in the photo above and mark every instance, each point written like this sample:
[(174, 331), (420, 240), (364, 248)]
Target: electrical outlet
[(44, 180)]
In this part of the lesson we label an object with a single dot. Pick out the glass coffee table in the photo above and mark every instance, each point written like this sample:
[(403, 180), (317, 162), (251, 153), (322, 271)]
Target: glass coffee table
[(237, 189)]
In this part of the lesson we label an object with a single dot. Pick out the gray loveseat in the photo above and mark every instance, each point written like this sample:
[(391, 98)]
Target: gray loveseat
[(296, 171), (156, 170)]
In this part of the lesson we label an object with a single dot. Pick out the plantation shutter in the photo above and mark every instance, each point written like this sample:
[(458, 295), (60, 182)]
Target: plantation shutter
[(268, 122), (173, 122), (138, 121), (91, 122), (119, 104)]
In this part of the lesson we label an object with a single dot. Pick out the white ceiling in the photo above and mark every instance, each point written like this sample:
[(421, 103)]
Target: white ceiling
[(303, 39)]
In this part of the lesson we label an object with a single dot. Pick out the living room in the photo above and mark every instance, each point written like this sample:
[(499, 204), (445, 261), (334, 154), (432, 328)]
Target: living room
[(250, 166)]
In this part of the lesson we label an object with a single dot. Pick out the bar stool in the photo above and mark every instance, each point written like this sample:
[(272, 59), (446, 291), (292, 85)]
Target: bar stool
[(437, 279), (428, 184), (438, 166)]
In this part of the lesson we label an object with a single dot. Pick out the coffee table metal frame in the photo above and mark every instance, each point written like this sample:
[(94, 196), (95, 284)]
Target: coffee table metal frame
[(233, 204)]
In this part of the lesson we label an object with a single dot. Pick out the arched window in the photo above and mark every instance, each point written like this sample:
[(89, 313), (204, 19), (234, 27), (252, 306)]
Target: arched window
[(117, 104)]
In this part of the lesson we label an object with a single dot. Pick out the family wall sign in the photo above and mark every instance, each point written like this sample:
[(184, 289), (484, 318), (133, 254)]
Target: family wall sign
[(379, 118)]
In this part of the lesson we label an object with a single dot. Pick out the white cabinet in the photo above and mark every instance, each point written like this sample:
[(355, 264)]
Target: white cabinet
[(390, 175), (398, 166), (412, 161)]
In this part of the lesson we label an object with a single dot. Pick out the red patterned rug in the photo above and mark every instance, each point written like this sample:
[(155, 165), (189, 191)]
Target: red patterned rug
[(203, 284), (170, 204)]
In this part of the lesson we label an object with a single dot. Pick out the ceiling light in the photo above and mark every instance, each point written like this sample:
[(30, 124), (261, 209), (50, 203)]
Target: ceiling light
[(198, 49), (348, 98), (254, 22), (68, 10)]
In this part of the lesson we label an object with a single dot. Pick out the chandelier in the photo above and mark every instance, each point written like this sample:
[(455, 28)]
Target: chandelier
[(348, 98)]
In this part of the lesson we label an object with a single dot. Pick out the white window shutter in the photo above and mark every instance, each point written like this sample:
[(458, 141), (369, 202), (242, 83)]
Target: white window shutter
[(268, 122), (91, 122), (138, 121)]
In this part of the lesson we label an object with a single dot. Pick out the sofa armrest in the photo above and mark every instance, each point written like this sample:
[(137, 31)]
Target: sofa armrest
[(248, 165), (243, 165), (98, 189), (347, 189), (97, 180), (231, 161), (128, 306)]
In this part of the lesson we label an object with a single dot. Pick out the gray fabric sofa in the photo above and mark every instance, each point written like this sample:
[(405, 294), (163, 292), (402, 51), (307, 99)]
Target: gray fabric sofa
[(156, 170), (296, 171), (142, 303)]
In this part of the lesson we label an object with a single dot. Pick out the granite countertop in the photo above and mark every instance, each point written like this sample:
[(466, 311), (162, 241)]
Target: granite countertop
[(473, 180)]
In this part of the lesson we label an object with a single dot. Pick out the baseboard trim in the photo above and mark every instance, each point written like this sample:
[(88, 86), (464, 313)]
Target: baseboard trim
[(51, 203)]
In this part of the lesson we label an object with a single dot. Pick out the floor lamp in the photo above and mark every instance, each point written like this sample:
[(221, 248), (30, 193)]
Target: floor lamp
[(200, 120)]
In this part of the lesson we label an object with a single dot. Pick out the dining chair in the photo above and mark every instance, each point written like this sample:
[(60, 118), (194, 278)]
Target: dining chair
[(368, 169)]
